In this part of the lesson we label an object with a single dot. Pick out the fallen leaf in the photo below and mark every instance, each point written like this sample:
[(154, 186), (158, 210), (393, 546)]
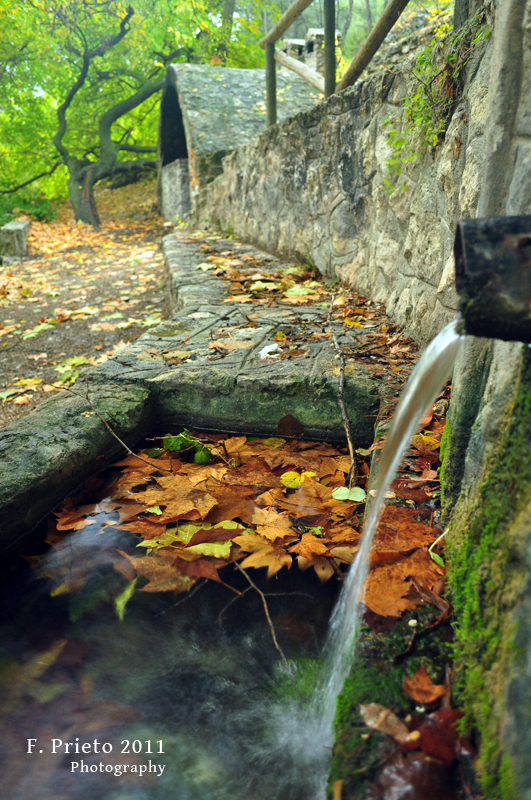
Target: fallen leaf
[(231, 344), (309, 546), (381, 719), (289, 426), (263, 554), (422, 689), (425, 444), (159, 568)]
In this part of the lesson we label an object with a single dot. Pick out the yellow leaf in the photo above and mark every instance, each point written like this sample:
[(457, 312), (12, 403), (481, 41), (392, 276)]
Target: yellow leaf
[(215, 549), (425, 444), (292, 480), (352, 323)]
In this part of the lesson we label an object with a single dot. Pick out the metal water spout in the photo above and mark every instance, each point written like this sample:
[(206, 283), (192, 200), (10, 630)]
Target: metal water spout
[(493, 277)]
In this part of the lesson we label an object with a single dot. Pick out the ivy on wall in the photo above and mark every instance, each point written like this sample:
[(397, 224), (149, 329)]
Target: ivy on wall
[(439, 79)]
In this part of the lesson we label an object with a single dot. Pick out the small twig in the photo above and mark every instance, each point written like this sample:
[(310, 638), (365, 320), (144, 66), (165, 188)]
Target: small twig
[(199, 585), (272, 629), (352, 473), (241, 594), (93, 407)]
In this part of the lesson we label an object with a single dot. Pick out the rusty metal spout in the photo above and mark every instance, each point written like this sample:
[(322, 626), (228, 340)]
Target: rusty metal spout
[(493, 277)]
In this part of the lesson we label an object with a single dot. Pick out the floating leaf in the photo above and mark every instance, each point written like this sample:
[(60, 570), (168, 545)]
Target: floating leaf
[(356, 494), (294, 480)]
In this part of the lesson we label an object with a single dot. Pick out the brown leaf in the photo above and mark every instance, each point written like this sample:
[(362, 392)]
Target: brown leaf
[(309, 546), (422, 689), (180, 499), (387, 587), (202, 568), (214, 535), (289, 426), (159, 568), (231, 344), (272, 558), (323, 568), (263, 553), (144, 527), (272, 524), (398, 532), (231, 504)]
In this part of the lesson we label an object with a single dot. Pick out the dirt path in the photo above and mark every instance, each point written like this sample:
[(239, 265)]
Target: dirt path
[(78, 295)]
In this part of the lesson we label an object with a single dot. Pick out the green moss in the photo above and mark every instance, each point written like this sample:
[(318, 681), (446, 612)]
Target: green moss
[(377, 676), (485, 580), (354, 756)]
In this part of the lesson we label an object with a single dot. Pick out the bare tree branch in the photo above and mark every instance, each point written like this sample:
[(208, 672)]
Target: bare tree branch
[(135, 148), (88, 55), (272, 629), (31, 180)]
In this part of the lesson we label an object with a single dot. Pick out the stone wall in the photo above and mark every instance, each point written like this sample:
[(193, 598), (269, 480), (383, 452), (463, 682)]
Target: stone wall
[(487, 464), (313, 186)]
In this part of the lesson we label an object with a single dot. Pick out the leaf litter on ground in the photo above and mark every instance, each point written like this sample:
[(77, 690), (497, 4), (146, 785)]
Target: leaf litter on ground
[(78, 296)]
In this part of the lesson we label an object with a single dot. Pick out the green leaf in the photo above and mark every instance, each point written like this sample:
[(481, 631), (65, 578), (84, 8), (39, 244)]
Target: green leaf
[(44, 326), (436, 557), (299, 291), (154, 510), (215, 549), (356, 494), (153, 452), (123, 598)]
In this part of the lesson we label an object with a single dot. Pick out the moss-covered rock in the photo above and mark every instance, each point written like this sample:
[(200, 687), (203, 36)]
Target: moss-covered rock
[(381, 663), (489, 546)]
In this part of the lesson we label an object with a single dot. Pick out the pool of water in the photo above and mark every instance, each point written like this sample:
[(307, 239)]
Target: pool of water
[(185, 699)]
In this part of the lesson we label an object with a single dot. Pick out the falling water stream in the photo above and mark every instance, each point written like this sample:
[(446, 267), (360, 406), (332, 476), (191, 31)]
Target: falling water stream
[(428, 377), (212, 691)]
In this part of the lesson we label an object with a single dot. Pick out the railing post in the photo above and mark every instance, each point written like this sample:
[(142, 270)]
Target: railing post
[(271, 84), (329, 47)]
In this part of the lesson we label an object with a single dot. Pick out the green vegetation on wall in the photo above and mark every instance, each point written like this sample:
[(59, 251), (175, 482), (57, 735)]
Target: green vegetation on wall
[(438, 77), (487, 573)]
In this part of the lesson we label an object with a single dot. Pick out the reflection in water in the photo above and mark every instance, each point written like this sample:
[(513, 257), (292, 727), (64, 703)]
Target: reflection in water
[(208, 686)]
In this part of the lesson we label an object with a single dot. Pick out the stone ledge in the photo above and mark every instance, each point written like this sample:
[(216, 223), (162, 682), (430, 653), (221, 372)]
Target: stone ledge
[(203, 369), (48, 454)]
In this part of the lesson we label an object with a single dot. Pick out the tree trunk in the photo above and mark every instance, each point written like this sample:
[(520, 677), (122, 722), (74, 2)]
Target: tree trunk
[(81, 194), (461, 13), (369, 16), (348, 20)]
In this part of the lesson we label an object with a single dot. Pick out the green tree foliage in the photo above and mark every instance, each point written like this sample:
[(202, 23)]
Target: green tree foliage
[(80, 84)]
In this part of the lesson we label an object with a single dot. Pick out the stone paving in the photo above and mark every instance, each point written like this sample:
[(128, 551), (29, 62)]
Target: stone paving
[(206, 368)]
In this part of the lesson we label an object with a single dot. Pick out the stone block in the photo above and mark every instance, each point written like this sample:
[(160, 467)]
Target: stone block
[(13, 238), (175, 190)]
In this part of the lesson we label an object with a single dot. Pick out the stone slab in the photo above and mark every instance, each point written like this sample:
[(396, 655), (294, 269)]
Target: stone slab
[(203, 369), (13, 238), (48, 454)]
